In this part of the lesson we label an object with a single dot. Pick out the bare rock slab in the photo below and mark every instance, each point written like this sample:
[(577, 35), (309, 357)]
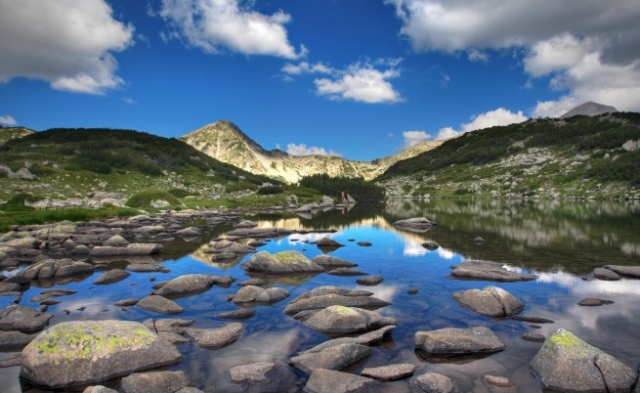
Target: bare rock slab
[(23, 319), (285, 262), (191, 284), (329, 262), (329, 381), (565, 363), (160, 305), (457, 341), (324, 301), (87, 352), (333, 358), (337, 320), (155, 381), (487, 271), (112, 276), (217, 337), (390, 373), (491, 301), (625, 271)]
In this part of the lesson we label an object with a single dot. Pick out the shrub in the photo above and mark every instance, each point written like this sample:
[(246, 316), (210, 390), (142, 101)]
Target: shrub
[(241, 186), (269, 190), (180, 192)]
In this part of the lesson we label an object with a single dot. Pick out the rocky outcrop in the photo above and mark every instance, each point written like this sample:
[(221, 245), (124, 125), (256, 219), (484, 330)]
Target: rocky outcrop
[(86, 352), (490, 301), (565, 363)]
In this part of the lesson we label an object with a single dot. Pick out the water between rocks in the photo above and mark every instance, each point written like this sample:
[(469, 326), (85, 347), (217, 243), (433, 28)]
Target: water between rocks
[(560, 242)]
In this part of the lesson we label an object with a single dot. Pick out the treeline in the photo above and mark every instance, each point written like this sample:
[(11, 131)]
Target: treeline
[(358, 188), (578, 134)]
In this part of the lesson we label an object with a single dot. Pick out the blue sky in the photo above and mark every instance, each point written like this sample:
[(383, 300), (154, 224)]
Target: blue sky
[(362, 79)]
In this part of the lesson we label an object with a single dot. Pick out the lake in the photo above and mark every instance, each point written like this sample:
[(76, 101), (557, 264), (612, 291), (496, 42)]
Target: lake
[(560, 242)]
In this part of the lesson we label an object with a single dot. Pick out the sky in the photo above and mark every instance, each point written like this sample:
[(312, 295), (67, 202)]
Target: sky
[(360, 79)]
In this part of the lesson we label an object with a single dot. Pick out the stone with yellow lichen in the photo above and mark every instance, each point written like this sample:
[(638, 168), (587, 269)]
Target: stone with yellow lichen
[(79, 353)]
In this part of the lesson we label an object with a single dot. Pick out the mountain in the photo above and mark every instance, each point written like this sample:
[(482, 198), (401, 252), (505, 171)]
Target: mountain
[(589, 109), (224, 141), (578, 157), (8, 133)]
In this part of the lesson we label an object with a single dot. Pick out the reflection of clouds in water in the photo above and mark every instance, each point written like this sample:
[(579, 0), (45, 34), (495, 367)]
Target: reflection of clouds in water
[(630, 248), (580, 287), (445, 254), (412, 248), (385, 292)]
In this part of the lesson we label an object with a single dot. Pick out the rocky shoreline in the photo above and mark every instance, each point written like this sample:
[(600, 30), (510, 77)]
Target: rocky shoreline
[(84, 354)]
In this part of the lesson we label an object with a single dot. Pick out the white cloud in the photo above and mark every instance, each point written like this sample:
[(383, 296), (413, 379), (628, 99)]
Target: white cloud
[(498, 117), (303, 150), (589, 48), (211, 24), (8, 120), (68, 43), (306, 68), (477, 55), (414, 137), (129, 101)]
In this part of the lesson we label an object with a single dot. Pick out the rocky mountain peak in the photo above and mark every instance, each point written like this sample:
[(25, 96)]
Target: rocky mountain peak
[(589, 109)]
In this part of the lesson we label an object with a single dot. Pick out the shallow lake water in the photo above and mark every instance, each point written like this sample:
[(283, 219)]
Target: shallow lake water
[(560, 242)]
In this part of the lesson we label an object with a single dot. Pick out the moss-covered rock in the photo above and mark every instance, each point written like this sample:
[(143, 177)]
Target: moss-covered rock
[(285, 262)]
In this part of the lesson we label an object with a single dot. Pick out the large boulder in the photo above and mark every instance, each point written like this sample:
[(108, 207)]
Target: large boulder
[(340, 320), (86, 352), (488, 271), (457, 341), (285, 262), (565, 363), (490, 301)]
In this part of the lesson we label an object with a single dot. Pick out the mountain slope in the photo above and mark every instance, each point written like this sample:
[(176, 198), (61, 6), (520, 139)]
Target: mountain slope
[(589, 109), (224, 141), (580, 156), (8, 133)]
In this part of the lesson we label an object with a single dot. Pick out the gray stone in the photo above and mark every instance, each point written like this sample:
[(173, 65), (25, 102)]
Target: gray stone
[(626, 271), (9, 286), (132, 249), (345, 271), (272, 295), (285, 262), (111, 277), (533, 337), (326, 242), (160, 305), (332, 358), (593, 302), (457, 341), (98, 389), (186, 285), (605, 274), (116, 241), (430, 245), (86, 352), (324, 301), (58, 268), (247, 294), (566, 363), (490, 301), (392, 372), (435, 383), (370, 281), (215, 338), (254, 372), (345, 320), (329, 381), (364, 339), (14, 339), (419, 224), (189, 232), (23, 319), (144, 268), (264, 377), (238, 314), (501, 382), (155, 381), (330, 262), (488, 271), (258, 282)]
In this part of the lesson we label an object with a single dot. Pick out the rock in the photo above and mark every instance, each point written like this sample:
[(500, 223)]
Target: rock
[(487, 270), (327, 244), (258, 282), (9, 286), (215, 338), (272, 295), (238, 314), (190, 284), (116, 241), (457, 341), (86, 352), (593, 302), (247, 294), (133, 249), (566, 363), (189, 232), (419, 224), (345, 320), (144, 268), (14, 339), (498, 381), (330, 262), (246, 224), (605, 274), (160, 305), (430, 245), (478, 240), (345, 271), (264, 377), (435, 383), (111, 277), (370, 281), (533, 337), (21, 243), (491, 301), (532, 319), (324, 301), (625, 271), (155, 381), (364, 244), (23, 319), (412, 291), (126, 302), (332, 358), (329, 381), (364, 339), (285, 262), (56, 268), (390, 373)]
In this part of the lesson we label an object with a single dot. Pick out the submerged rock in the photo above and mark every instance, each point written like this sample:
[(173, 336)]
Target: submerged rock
[(155, 381), (329, 381), (264, 377), (565, 363), (435, 383), (286, 262), (214, 338), (330, 262), (86, 352), (491, 301), (392, 372), (332, 358)]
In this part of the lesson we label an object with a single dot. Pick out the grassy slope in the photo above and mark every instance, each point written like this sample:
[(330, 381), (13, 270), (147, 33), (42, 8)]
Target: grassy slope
[(583, 155), (8, 133), (76, 162)]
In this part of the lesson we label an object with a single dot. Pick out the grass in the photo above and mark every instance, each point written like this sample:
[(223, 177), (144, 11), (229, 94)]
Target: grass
[(47, 216), (144, 199)]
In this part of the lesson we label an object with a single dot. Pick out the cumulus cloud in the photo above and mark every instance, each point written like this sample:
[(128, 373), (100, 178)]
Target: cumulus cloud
[(8, 120), (68, 43), (477, 55), (414, 137), (498, 117), (303, 150), (212, 24), (590, 48), (306, 68)]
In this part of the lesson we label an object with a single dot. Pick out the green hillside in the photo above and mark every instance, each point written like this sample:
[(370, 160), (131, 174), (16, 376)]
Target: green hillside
[(579, 156), (73, 163), (8, 133)]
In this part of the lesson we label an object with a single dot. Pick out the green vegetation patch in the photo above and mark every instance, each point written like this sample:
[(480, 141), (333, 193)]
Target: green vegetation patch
[(143, 199)]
